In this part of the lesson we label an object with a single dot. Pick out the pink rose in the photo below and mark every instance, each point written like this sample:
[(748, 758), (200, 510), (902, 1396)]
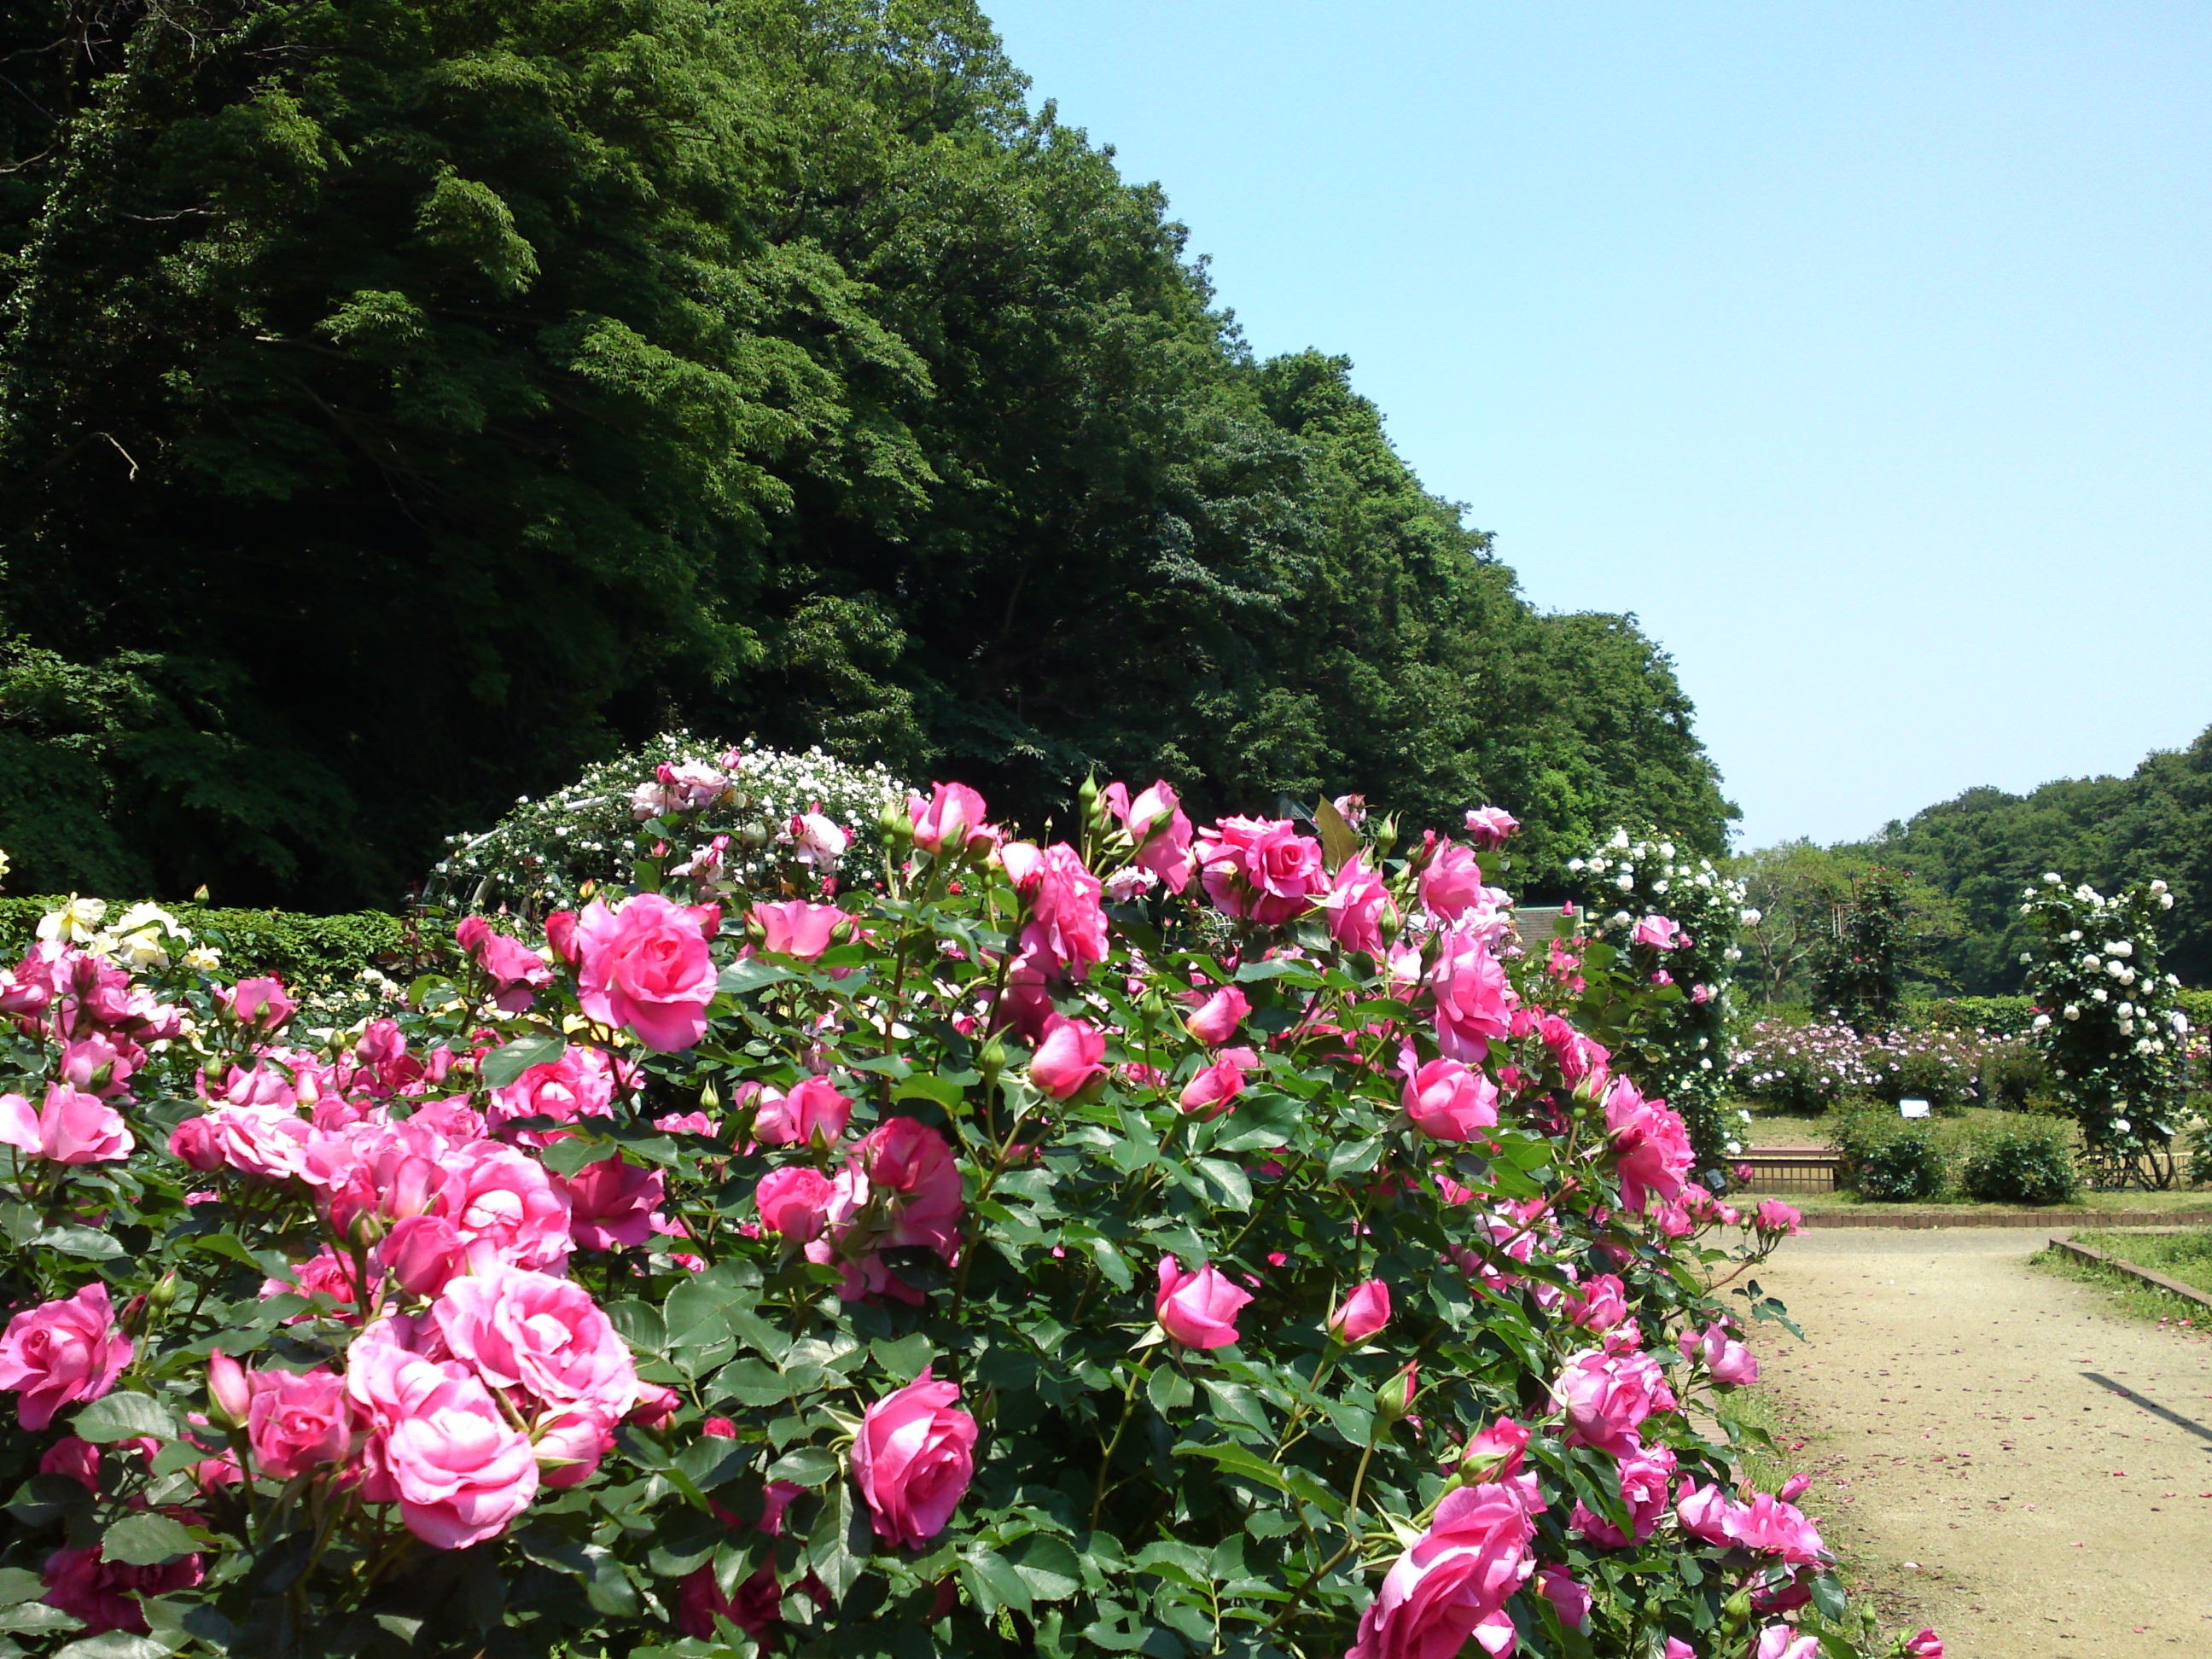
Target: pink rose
[(1650, 1144), (505, 1199), (1706, 1512), (422, 1253), (950, 817), (1490, 827), (1198, 1310), (1155, 823), (1023, 863), (1598, 1306), (655, 1406), (793, 1202), (910, 1162), (1072, 1053), (1496, 1454), (796, 928), (514, 970), (1362, 1314), (1660, 932), (1357, 905), (1773, 1216), (1452, 884), (1607, 1395), (1678, 1649), (1214, 1021), (813, 1113), (71, 1127), (1576, 1056), (542, 1336), (646, 966), (78, 1459), (1926, 1645), (60, 1352), (1455, 1583), (260, 1005), (1449, 1101), (102, 1064), (1727, 1360), (298, 1421), (105, 1594), (1473, 1003), (1065, 933), (1260, 868), (579, 1084), (442, 1448), (568, 1445), (612, 1203), (1772, 1526), (1643, 1479), (913, 1460), (1566, 1593), (1215, 1087), (1784, 1641)]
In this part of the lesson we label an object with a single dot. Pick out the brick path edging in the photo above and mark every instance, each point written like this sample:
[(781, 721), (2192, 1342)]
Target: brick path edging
[(1920, 1220)]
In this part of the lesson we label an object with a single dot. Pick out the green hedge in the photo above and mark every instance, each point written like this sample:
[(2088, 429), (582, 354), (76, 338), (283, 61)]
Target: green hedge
[(302, 951)]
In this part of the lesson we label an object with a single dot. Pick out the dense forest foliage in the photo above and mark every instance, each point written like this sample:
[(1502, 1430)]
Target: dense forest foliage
[(402, 402), (1961, 867)]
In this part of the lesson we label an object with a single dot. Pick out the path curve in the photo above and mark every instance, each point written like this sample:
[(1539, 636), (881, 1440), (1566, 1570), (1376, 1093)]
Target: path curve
[(2046, 1464)]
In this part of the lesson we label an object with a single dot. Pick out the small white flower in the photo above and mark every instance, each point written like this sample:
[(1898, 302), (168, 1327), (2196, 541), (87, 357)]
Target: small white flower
[(76, 922), (2053, 878)]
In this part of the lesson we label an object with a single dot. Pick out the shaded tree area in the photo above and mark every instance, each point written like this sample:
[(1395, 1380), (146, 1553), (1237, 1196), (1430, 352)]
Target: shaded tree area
[(402, 402)]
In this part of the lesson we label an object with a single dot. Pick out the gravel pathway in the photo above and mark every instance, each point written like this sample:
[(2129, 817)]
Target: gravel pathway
[(1999, 1456)]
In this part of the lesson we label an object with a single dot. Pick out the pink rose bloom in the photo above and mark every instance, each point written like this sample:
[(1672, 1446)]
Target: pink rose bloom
[(268, 1141), (579, 1084), (1773, 1216), (260, 1005), (514, 970), (1598, 1306), (1358, 904), (542, 1336), (913, 1460), (298, 1421), (100, 1064), (1608, 1395), (1362, 1314), (1706, 1512), (1490, 827), (1214, 1088), (1643, 1480), (1023, 863), (1262, 868), (1452, 884), (793, 1202), (1072, 1053), (912, 1164), (1727, 1360), (568, 1445), (1155, 823), (646, 966), (444, 1450), (105, 1594), (1678, 1649), (796, 928), (952, 815), (1455, 1583), (686, 1123), (813, 1113), (1449, 1101), (1496, 1453), (1198, 1310), (1576, 1056), (1474, 1004), (423, 1253), (1214, 1021), (71, 1127), (611, 1203), (1771, 1526), (60, 1352), (505, 1200), (1650, 1144), (1660, 932), (1926, 1645), (1784, 1641), (1065, 933), (655, 1406), (1566, 1593), (78, 1459)]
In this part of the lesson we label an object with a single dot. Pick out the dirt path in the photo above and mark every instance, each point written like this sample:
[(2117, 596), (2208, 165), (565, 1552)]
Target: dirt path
[(1974, 1452)]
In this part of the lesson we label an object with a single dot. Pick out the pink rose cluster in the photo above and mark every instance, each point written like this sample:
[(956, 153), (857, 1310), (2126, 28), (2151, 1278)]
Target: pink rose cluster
[(1261, 869), (899, 1188), (1651, 1145), (644, 966), (1454, 1583)]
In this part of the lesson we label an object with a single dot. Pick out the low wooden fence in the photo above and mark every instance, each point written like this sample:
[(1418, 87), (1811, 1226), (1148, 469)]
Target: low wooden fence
[(1791, 1169)]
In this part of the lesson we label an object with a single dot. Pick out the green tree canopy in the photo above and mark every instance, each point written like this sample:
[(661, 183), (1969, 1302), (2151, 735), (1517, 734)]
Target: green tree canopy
[(404, 401)]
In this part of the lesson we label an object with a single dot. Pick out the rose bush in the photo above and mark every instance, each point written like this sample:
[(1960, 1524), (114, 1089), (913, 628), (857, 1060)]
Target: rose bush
[(885, 1287)]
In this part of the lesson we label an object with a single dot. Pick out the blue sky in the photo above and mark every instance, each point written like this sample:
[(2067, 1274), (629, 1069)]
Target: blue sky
[(1861, 351)]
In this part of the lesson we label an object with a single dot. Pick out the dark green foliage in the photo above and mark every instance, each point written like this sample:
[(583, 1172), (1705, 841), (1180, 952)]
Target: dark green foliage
[(2029, 1160), (1857, 968), (403, 402), (1985, 845), (1888, 1159), (2007, 1015)]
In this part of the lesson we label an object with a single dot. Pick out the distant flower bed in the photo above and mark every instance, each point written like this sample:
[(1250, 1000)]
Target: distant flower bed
[(1811, 1067)]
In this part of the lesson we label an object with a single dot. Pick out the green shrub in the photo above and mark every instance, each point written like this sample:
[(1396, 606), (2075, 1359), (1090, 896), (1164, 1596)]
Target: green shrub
[(2006, 1016), (1886, 1157), (2029, 1160), (2013, 1074)]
